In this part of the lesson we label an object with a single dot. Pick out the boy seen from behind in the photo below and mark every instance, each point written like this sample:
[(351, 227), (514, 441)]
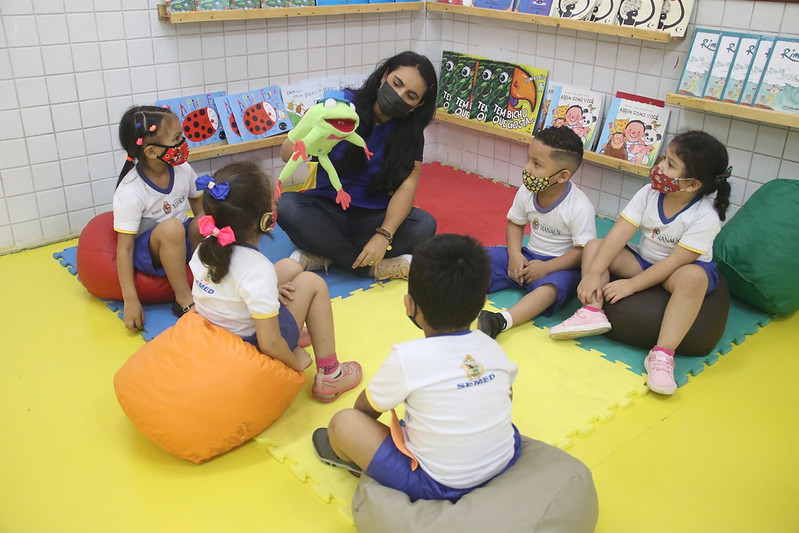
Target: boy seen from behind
[(561, 219), (455, 385)]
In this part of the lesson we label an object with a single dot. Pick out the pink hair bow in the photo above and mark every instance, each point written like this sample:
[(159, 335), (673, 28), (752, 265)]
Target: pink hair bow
[(207, 227)]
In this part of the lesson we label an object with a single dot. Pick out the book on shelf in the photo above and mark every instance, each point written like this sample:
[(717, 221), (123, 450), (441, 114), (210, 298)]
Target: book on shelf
[(446, 78), (640, 13), (721, 65), (534, 7), (546, 103), (633, 129), (755, 74), (501, 5), (577, 109), (228, 121), (604, 11), (455, 2), (779, 88), (199, 117), (572, 9), (491, 90), (176, 6), (675, 15), (525, 94), (212, 5), (259, 114), (698, 62), (299, 97), (740, 68), (245, 4), (351, 81), (462, 85)]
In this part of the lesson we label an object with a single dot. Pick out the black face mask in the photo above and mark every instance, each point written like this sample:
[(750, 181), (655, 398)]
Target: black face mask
[(391, 103), (412, 317)]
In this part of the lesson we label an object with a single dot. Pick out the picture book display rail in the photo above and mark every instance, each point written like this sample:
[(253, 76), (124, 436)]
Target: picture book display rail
[(178, 17), (593, 157), (579, 25), (768, 116), (210, 151)]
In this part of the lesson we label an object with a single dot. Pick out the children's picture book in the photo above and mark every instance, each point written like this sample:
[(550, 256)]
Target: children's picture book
[(604, 11), (181, 5), (351, 81), (534, 7), (227, 120), (462, 85), (779, 89), (577, 109), (633, 129), (755, 75), (491, 90), (259, 113), (299, 97), (545, 105), (640, 13), (526, 93), (198, 116), (675, 15), (722, 63), (213, 5), (740, 68), (698, 62), (501, 5), (572, 9), (446, 79), (245, 4)]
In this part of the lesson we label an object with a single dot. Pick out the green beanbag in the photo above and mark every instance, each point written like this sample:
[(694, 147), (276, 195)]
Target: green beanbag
[(757, 250)]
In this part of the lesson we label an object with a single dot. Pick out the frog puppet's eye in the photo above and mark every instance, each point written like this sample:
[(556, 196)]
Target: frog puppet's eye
[(330, 103), (352, 106)]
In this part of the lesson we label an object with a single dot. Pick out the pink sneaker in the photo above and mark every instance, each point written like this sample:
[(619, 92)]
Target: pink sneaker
[(326, 389), (583, 323), (660, 372)]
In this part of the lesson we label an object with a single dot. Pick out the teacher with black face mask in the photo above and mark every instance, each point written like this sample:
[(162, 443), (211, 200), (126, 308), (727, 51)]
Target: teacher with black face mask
[(376, 233)]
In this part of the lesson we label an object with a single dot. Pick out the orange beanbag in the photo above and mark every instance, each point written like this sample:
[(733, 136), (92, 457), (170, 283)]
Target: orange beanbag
[(96, 264), (197, 390)]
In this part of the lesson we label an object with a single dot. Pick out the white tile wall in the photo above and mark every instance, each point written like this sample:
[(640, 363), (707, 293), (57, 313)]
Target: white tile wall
[(69, 69)]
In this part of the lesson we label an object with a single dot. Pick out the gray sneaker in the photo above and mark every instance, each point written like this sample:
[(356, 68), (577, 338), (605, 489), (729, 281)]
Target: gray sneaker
[(310, 261)]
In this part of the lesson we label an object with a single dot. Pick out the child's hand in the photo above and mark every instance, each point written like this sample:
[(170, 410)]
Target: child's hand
[(134, 315), (589, 291), (616, 290), (285, 293), (516, 264), (534, 270), (303, 357)]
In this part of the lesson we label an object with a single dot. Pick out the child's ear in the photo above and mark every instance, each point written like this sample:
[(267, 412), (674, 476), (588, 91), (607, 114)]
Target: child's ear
[(564, 175), (408, 304)]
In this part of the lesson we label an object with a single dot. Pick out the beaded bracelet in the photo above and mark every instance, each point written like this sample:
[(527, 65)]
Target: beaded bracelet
[(387, 234)]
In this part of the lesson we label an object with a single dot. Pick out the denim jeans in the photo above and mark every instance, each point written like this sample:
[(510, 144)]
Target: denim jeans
[(320, 226)]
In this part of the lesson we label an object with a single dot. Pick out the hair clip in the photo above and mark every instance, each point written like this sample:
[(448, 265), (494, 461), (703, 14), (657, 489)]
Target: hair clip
[(724, 175), (207, 227), (138, 141), (138, 124), (128, 158), (152, 128), (218, 191)]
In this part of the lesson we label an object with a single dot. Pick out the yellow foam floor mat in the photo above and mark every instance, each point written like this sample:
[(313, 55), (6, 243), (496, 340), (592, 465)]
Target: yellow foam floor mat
[(718, 456)]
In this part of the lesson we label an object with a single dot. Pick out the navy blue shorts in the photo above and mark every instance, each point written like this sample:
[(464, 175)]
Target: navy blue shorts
[(564, 281), (710, 268), (288, 329), (392, 468), (143, 259)]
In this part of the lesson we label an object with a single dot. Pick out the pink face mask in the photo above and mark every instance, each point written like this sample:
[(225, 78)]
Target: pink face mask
[(664, 183), (174, 155)]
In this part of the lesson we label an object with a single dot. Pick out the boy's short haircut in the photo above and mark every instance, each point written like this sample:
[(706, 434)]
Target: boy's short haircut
[(449, 279), (567, 147)]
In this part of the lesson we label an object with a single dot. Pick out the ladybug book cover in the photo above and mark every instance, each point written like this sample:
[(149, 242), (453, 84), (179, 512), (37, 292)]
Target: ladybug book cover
[(722, 63), (779, 89), (698, 62), (228, 121), (260, 113), (755, 75), (491, 90), (579, 110), (747, 49), (198, 116), (634, 129)]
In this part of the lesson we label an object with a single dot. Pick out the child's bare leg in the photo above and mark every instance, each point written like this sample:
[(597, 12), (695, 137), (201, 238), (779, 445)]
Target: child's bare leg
[(311, 305), (168, 245), (589, 252), (355, 436), (533, 304), (687, 286), (287, 269)]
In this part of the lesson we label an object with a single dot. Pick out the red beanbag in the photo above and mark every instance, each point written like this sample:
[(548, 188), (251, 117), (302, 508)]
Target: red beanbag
[(197, 390), (96, 260)]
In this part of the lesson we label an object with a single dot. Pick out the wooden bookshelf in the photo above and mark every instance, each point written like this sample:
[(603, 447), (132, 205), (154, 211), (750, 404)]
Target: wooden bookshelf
[(579, 25), (219, 149), (524, 138), (179, 17), (758, 114)]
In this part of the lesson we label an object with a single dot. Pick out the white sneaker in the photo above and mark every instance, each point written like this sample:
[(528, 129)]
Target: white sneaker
[(393, 268), (310, 261)]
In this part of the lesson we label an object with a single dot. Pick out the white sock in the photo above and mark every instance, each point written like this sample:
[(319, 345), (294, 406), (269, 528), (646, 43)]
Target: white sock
[(508, 319)]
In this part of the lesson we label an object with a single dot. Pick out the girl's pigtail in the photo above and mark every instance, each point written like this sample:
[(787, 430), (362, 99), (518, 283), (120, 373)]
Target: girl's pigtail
[(216, 258), (722, 200)]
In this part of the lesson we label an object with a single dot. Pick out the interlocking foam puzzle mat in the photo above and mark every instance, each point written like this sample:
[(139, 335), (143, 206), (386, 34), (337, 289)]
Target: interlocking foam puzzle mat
[(564, 388)]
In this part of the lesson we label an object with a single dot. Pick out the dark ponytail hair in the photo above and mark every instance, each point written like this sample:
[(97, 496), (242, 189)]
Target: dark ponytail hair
[(706, 160), (137, 123), (401, 145), (250, 196)]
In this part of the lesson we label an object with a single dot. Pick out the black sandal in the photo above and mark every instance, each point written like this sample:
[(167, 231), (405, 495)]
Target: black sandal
[(179, 311)]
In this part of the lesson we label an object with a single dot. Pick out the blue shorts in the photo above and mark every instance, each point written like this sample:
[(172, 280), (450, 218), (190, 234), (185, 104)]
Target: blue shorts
[(564, 281), (392, 468), (288, 329), (710, 268), (143, 259)]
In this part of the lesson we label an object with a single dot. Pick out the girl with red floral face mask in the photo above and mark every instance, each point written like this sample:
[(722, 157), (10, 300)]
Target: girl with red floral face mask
[(678, 221), (154, 191)]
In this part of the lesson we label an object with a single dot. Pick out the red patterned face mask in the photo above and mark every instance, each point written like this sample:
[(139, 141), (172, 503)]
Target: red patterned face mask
[(664, 183), (174, 155)]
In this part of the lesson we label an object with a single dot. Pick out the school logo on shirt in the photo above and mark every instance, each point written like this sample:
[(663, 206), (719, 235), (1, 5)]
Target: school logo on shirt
[(543, 227), (472, 368), (167, 207), (657, 236), (203, 283), (535, 223)]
